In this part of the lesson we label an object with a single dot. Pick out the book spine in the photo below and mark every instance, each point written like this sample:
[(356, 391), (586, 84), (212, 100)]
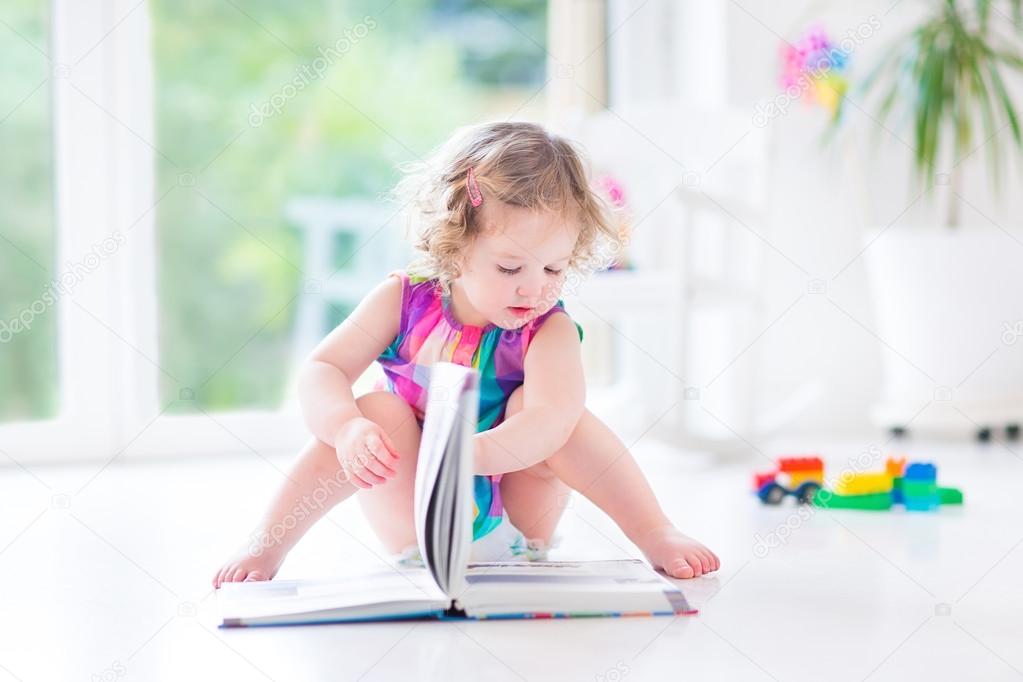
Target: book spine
[(453, 612), (582, 614), (678, 602)]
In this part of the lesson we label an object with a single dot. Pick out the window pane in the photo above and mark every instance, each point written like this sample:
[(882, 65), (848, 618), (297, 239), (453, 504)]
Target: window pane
[(273, 118), (28, 315)]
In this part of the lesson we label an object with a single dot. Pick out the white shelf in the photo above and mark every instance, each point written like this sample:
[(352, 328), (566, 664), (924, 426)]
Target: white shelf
[(634, 289), (653, 289)]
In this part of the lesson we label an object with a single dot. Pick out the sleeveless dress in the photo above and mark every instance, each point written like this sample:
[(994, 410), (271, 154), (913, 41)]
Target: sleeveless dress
[(428, 333)]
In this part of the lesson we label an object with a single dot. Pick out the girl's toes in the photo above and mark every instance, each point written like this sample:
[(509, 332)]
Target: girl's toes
[(236, 575), (255, 575), (697, 563), (680, 569)]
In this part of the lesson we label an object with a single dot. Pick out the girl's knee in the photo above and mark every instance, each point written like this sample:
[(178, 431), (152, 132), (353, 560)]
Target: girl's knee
[(540, 470), (383, 404)]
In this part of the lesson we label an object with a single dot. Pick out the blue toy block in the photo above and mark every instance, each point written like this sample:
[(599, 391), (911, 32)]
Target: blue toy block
[(923, 503), (919, 489), (921, 471)]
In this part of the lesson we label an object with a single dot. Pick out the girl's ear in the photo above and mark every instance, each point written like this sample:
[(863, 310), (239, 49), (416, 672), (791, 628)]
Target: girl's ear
[(461, 263), (457, 268)]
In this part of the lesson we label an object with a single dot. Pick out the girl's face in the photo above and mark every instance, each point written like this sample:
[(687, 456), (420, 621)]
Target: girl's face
[(516, 268)]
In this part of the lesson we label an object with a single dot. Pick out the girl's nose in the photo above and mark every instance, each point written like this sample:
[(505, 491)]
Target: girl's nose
[(533, 290), (529, 290)]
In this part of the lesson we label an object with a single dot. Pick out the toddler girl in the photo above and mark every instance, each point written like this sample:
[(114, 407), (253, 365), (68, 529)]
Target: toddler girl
[(501, 214)]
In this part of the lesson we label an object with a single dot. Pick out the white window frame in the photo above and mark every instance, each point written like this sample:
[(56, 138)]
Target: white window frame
[(103, 128), (102, 88)]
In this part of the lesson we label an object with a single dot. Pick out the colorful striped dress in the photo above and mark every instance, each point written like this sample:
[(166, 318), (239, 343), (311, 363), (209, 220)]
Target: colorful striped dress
[(428, 333)]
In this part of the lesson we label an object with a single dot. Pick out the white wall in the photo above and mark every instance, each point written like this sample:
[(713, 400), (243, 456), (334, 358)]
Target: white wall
[(822, 199)]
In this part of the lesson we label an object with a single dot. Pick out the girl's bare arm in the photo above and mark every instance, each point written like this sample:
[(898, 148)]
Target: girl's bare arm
[(553, 400), (325, 392), (325, 381)]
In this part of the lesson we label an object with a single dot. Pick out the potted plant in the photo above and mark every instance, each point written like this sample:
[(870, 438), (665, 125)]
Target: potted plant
[(945, 295)]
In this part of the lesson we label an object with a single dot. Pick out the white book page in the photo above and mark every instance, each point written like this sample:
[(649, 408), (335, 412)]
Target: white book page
[(568, 587), (443, 488), (462, 450), (364, 593)]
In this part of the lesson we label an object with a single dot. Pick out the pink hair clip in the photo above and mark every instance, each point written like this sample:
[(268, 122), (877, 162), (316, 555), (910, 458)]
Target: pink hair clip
[(471, 186)]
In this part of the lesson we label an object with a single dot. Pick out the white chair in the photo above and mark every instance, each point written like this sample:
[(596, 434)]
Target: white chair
[(695, 185), (348, 244)]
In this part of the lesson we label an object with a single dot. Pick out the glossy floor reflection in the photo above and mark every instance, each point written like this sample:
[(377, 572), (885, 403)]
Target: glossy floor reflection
[(111, 581)]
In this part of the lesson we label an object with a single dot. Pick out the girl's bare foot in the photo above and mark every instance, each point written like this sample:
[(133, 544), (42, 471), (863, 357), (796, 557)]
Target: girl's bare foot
[(677, 554), (251, 564)]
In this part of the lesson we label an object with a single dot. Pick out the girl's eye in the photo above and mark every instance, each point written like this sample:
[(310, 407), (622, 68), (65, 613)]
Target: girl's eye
[(515, 271)]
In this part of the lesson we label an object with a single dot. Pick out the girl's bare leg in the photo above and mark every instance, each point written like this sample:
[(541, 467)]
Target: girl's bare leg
[(595, 462), (316, 483), (534, 498), (313, 487), (389, 507)]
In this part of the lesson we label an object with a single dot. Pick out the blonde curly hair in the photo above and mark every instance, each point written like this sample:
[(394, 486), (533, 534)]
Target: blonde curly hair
[(518, 163)]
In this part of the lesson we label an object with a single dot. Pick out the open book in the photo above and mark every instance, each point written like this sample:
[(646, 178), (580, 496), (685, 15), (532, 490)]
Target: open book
[(449, 586)]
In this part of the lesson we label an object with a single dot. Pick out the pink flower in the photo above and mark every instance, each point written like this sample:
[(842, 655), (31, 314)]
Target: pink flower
[(613, 189)]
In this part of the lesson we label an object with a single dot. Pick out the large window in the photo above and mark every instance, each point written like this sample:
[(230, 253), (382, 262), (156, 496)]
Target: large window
[(210, 177), (28, 318), (261, 106)]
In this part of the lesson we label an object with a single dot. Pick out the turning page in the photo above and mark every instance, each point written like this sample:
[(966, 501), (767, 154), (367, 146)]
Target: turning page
[(443, 490)]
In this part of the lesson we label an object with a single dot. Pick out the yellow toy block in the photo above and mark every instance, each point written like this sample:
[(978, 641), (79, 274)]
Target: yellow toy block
[(797, 478), (863, 484)]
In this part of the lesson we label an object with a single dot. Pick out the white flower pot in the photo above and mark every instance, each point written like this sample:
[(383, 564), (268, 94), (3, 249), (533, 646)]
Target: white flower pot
[(949, 314)]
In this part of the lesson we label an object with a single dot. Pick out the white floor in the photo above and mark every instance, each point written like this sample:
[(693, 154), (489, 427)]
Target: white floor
[(112, 582)]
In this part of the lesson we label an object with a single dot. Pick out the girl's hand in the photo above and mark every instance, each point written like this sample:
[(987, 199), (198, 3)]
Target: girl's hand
[(365, 452)]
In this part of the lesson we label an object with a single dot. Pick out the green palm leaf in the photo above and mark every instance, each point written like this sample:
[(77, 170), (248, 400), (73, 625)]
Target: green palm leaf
[(947, 76)]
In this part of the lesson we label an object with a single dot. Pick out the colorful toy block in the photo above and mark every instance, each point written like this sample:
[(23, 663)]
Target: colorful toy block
[(762, 478), (920, 487), (863, 484), (921, 471), (871, 502), (800, 477), (808, 463), (914, 486), (950, 496), (895, 467)]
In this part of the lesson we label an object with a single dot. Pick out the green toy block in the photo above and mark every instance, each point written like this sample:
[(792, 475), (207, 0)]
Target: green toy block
[(873, 501), (950, 495), (919, 488)]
